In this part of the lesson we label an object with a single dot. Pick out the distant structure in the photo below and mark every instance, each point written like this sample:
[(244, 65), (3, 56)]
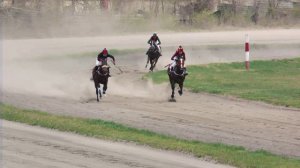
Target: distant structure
[(183, 9)]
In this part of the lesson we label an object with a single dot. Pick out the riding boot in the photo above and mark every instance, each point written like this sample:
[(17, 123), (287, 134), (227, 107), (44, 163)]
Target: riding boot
[(185, 72), (94, 70)]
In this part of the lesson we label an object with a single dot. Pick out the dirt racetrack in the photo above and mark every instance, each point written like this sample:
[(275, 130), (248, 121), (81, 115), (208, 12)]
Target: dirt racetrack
[(33, 147), (37, 75)]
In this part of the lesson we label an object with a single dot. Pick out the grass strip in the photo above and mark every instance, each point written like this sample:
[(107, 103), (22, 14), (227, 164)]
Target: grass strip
[(225, 154), (275, 81), (142, 51)]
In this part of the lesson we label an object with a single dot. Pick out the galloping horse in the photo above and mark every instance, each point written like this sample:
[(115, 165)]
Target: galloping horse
[(177, 75), (100, 76), (153, 55)]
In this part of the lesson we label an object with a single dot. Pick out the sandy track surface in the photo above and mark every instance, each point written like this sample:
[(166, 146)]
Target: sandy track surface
[(33, 147), (60, 85)]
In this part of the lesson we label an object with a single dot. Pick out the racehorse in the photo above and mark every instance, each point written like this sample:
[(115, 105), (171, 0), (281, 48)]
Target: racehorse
[(153, 55), (100, 76), (177, 75)]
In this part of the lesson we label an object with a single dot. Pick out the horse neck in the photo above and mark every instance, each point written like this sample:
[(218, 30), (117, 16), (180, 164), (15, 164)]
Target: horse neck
[(104, 61), (153, 50), (102, 71), (155, 46), (180, 63), (179, 66)]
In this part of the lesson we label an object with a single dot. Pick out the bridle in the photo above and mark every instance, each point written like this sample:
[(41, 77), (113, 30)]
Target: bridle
[(180, 65), (103, 69)]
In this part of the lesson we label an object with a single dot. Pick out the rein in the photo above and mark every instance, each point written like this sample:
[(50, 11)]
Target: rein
[(182, 74), (102, 74), (179, 64)]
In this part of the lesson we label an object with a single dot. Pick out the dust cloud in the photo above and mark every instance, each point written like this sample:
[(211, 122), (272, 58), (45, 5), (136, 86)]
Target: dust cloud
[(45, 67)]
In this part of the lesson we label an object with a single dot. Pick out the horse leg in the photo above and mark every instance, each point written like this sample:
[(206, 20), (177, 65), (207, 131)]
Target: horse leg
[(100, 92), (173, 87), (154, 62), (104, 88), (97, 92), (180, 88), (151, 67), (147, 62)]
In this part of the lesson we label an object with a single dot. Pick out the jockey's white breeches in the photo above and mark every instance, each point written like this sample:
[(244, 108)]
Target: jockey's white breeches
[(159, 49), (173, 63), (97, 62)]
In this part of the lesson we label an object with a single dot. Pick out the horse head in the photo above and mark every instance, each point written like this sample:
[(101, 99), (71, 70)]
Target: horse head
[(103, 70), (179, 68), (152, 48)]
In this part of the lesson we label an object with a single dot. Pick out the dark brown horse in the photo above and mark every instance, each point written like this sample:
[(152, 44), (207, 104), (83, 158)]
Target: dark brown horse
[(153, 55), (100, 77), (177, 75)]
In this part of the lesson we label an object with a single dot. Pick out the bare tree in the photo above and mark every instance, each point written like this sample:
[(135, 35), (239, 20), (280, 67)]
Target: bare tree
[(201, 5), (156, 8), (118, 6), (104, 4), (255, 16), (175, 7), (73, 6), (18, 3), (272, 8), (235, 6), (162, 6)]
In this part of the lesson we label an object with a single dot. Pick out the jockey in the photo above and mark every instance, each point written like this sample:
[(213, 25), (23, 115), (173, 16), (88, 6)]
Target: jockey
[(102, 60), (179, 53), (154, 40)]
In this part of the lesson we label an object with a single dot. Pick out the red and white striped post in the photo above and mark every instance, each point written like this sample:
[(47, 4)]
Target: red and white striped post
[(247, 53)]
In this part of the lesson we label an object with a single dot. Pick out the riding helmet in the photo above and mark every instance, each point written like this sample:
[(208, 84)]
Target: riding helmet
[(104, 52)]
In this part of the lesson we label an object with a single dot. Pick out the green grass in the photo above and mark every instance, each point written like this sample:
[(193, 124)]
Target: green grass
[(236, 156), (142, 51), (275, 81)]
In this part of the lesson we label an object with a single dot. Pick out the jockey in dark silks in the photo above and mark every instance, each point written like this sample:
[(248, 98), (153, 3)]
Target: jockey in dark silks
[(154, 40), (102, 60), (102, 57), (179, 53)]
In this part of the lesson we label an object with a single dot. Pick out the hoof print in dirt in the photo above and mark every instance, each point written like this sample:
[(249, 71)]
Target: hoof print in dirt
[(172, 100)]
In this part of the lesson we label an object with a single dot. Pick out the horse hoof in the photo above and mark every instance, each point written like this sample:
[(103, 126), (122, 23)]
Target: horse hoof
[(172, 100), (180, 92)]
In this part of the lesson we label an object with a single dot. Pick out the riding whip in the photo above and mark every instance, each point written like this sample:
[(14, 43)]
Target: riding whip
[(168, 65), (117, 67)]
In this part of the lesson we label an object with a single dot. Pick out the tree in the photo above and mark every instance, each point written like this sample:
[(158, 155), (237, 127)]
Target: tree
[(272, 8), (255, 16)]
